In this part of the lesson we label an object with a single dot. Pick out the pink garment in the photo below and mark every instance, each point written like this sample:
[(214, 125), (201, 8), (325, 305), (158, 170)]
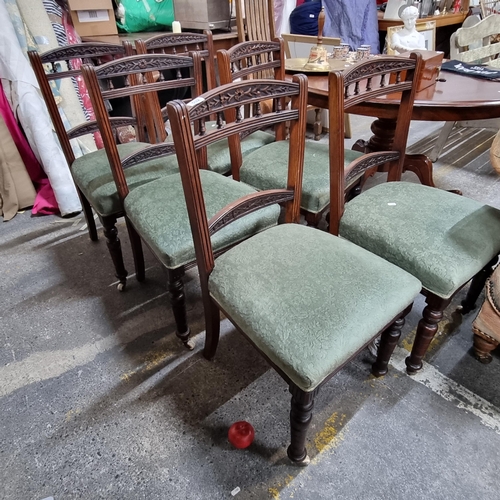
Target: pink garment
[(73, 37), (45, 201)]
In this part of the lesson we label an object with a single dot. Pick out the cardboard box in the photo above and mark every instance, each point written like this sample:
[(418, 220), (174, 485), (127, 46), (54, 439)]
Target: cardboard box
[(93, 17)]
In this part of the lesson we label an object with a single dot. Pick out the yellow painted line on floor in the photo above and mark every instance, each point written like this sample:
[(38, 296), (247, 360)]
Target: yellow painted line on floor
[(275, 491), (329, 437), (71, 414), (151, 361)]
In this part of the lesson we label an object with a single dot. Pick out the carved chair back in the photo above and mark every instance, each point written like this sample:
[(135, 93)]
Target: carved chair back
[(183, 43), (187, 143), (365, 81), (245, 61), (180, 44), (66, 62), (248, 60), (136, 70)]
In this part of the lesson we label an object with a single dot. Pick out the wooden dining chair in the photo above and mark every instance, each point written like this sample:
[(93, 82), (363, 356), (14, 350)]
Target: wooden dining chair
[(91, 172), (177, 44), (315, 200), (255, 20), (218, 157), (156, 211), (183, 43), (244, 61), (291, 289), (443, 239)]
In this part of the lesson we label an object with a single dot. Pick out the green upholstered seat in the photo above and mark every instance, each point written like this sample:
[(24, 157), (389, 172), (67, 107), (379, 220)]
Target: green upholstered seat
[(219, 159), (441, 238), (93, 176), (267, 168), (334, 297), (158, 212)]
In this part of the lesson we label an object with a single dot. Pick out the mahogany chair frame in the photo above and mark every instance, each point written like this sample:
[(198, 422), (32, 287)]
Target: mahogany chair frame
[(135, 69), (249, 58), (365, 81), (183, 43), (353, 87), (180, 44), (89, 53), (245, 61), (219, 101)]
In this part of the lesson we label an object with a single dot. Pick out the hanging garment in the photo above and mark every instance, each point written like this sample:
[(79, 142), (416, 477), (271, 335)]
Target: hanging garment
[(45, 201), (16, 189), (354, 21), (22, 92)]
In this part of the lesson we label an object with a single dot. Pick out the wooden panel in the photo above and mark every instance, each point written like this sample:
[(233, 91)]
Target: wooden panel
[(441, 20)]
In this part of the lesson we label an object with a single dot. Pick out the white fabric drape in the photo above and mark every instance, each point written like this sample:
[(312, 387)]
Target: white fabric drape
[(22, 91)]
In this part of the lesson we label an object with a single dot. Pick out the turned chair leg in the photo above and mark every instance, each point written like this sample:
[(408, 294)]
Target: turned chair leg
[(89, 216), (388, 342), (115, 249), (178, 302), (212, 325), (476, 287), (426, 330), (483, 347), (138, 254), (300, 418)]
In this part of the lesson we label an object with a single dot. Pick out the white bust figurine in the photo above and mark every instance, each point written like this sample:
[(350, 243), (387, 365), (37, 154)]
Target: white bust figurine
[(408, 38)]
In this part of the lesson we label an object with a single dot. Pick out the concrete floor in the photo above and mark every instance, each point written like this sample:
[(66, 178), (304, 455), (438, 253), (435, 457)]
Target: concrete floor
[(99, 400)]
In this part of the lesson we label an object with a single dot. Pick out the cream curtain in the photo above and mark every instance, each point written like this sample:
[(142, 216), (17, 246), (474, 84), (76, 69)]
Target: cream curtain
[(22, 91)]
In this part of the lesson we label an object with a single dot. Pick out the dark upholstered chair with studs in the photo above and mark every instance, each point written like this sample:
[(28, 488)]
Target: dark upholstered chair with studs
[(92, 172), (308, 301), (156, 211), (486, 326), (443, 239)]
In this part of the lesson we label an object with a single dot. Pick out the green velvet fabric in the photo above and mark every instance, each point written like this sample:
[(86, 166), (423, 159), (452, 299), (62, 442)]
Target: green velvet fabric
[(308, 300), (219, 159), (267, 168), (92, 174), (158, 212), (441, 238)]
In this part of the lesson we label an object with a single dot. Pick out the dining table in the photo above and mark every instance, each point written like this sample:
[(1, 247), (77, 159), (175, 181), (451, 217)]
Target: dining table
[(454, 97)]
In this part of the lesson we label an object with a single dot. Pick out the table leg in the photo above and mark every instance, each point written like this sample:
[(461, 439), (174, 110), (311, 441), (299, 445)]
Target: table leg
[(383, 135)]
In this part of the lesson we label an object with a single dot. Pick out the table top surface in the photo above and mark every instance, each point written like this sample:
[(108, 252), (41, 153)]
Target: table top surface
[(457, 98)]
